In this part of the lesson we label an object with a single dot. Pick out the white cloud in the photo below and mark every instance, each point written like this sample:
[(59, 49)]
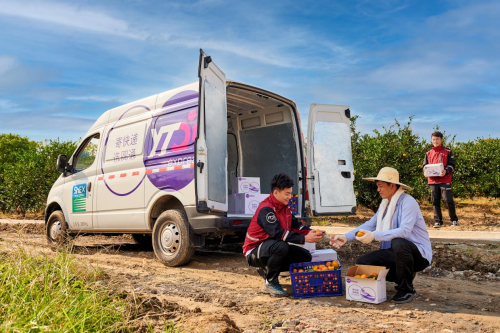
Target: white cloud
[(71, 16), (428, 73), (6, 64), (95, 98)]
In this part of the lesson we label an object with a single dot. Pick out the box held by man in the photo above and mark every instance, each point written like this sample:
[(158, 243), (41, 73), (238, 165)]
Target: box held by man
[(433, 170)]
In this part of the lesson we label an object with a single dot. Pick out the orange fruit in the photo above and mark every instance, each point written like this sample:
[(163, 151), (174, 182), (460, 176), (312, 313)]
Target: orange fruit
[(404, 155), (364, 276), (357, 275), (335, 264), (318, 231), (328, 263), (360, 234), (294, 270), (300, 270)]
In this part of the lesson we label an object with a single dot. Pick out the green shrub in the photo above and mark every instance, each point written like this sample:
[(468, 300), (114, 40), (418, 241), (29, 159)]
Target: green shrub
[(397, 147), (29, 177), (477, 170)]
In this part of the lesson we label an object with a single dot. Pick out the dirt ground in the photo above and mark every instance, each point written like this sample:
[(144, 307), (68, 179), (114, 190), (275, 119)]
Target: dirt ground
[(218, 292), (480, 214)]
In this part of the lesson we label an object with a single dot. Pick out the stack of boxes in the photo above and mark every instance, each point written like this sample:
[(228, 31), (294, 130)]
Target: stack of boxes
[(246, 196)]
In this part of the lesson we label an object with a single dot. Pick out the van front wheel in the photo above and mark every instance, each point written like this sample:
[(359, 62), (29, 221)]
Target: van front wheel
[(56, 229), (171, 238)]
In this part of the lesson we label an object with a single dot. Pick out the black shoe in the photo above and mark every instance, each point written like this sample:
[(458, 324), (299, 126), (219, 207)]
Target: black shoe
[(262, 271), (438, 224), (404, 296), (454, 223)]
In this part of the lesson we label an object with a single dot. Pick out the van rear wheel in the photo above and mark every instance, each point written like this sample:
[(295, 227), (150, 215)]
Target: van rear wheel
[(171, 238), (55, 230)]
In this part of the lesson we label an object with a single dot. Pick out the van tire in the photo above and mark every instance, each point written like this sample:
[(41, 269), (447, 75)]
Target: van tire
[(56, 230), (171, 238)]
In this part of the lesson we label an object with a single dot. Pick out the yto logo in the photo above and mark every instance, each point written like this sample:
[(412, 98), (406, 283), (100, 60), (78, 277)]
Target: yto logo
[(162, 138)]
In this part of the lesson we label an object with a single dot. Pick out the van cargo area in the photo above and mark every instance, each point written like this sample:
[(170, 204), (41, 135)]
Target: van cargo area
[(254, 121)]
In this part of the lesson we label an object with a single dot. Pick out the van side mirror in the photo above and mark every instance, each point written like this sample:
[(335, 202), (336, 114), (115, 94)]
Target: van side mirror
[(62, 163)]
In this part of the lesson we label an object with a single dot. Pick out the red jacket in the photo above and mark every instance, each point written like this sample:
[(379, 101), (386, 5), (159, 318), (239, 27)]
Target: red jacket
[(274, 220), (440, 155)]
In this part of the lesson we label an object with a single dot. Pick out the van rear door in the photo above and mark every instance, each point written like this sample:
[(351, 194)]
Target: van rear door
[(211, 144), (329, 161)]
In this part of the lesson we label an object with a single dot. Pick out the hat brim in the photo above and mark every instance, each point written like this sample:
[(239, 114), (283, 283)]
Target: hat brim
[(372, 179)]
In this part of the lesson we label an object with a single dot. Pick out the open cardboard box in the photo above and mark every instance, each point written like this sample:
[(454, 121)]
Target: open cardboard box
[(364, 289)]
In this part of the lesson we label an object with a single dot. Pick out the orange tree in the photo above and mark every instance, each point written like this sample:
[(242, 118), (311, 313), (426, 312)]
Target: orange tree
[(478, 168), (397, 147)]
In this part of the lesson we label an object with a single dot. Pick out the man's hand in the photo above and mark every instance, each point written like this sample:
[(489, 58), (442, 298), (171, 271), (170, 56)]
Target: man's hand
[(314, 236), (367, 238), (338, 241), (443, 173)]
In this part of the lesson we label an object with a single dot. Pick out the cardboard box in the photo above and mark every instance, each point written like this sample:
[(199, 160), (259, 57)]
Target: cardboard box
[(246, 203), (311, 247), (433, 170), (364, 289), (231, 204), (324, 255), (246, 185)]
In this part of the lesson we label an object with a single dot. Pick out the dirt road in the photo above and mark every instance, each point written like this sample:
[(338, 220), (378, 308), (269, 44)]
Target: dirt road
[(218, 292)]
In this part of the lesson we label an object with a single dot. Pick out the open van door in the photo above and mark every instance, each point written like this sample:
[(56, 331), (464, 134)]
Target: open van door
[(329, 161), (211, 145)]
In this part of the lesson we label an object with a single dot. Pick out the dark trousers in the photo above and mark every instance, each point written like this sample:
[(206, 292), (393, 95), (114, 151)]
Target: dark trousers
[(403, 260), (276, 256), (439, 191)]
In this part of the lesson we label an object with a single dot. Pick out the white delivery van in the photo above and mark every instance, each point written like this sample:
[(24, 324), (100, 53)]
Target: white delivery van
[(160, 168)]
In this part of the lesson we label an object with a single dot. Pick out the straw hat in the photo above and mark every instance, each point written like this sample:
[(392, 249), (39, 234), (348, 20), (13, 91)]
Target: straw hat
[(389, 175)]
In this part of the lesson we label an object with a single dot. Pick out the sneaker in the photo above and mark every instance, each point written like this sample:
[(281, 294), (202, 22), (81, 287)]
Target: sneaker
[(454, 223), (274, 290), (438, 224), (262, 271), (404, 296)]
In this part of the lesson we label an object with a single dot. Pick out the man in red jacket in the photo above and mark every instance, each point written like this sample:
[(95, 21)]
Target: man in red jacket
[(441, 185), (272, 227)]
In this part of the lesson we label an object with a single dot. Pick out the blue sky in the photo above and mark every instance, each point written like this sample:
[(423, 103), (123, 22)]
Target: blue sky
[(63, 63)]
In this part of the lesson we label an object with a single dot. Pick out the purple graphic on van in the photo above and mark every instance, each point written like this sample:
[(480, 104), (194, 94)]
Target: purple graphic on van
[(169, 144)]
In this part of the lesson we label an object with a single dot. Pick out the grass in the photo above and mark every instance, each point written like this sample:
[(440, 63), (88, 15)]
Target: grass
[(40, 293)]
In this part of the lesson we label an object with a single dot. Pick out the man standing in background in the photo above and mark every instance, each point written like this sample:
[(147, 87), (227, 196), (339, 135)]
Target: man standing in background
[(441, 185)]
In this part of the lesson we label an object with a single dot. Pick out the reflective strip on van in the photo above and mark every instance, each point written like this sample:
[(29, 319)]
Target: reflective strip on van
[(147, 172)]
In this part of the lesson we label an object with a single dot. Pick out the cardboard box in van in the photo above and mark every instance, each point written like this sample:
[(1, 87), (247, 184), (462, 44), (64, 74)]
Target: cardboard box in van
[(160, 168), (246, 185), (366, 290), (247, 203)]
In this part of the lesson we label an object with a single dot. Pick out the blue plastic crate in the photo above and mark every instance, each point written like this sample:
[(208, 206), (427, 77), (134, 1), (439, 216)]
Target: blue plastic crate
[(315, 284), (294, 205)]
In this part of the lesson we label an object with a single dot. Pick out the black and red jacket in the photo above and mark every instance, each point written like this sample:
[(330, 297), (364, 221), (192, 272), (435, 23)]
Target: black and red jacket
[(443, 155), (274, 220)]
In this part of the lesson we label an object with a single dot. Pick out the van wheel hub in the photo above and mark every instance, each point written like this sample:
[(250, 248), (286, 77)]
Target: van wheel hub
[(55, 230), (170, 238)]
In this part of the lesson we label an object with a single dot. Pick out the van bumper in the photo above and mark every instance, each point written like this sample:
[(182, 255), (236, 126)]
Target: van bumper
[(210, 223), (221, 224)]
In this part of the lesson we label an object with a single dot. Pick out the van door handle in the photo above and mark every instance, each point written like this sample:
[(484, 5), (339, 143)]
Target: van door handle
[(346, 174), (89, 186), (200, 165)]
